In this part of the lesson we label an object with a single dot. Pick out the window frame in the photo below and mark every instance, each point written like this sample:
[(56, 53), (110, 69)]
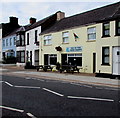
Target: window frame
[(117, 27), (20, 57), (28, 39), (36, 36), (103, 32), (48, 39), (64, 36), (91, 33), (105, 55)]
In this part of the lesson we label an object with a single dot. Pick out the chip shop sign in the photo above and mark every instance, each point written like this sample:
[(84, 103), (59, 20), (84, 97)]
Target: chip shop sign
[(74, 49)]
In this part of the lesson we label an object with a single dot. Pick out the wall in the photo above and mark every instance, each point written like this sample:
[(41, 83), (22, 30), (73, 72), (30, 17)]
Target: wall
[(108, 41), (0, 44), (88, 47), (32, 46)]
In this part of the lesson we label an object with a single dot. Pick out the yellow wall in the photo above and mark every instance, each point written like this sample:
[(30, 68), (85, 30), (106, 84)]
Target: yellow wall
[(89, 47), (103, 42), (87, 52)]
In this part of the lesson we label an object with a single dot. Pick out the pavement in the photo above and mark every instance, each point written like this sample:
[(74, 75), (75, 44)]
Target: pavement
[(76, 77)]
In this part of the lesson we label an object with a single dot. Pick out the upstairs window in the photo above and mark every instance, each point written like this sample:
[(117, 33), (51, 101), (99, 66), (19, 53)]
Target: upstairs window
[(91, 33), (14, 40), (10, 41), (36, 35), (118, 27), (106, 29), (6, 42), (65, 36), (105, 55), (27, 38), (47, 40), (3, 42)]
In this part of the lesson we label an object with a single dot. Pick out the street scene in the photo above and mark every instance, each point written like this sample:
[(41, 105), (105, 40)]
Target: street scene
[(33, 96), (60, 59)]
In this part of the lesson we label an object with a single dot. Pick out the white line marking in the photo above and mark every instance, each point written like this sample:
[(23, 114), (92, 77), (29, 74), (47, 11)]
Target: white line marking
[(9, 84), (29, 114), (53, 92), (112, 89), (27, 87), (27, 78), (13, 109), (98, 88), (76, 84), (87, 86), (88, 98)]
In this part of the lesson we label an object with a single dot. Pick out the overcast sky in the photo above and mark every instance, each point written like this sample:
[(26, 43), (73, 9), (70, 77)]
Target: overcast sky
[(24, 9)]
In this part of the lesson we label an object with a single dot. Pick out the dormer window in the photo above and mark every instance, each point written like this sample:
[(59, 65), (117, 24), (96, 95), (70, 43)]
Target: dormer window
[(106, 29), (118, 28)]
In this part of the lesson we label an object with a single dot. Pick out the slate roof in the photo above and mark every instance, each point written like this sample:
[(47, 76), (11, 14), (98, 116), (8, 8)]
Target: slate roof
[(97, 15)]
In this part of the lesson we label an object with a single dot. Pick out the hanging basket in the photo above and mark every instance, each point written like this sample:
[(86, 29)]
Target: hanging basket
[(58, 48)]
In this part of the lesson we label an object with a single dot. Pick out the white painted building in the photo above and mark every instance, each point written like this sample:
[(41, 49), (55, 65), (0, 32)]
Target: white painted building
[(0, 44)]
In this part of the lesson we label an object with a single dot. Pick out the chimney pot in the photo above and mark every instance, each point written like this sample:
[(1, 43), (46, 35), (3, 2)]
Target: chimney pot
[(32, 20), (60, 15)]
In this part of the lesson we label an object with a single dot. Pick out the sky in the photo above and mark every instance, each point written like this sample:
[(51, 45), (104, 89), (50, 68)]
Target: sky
[(39, 9)]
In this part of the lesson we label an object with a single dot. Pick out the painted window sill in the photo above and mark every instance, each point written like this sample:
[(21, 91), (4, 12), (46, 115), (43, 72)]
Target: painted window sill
[(94, 40)]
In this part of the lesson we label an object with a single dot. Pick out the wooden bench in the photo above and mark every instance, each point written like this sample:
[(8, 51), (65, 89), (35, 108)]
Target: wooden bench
[(44, 67)]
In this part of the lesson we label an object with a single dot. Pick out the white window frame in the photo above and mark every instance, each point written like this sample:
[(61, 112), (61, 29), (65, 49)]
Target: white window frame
[(91, 32), (6, 42), (65, 37), (10, 41), (48, 40), (3, 42)]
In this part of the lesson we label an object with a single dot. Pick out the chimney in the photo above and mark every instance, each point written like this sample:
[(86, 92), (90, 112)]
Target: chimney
[(60, 15), (13, 20), (32, 20)]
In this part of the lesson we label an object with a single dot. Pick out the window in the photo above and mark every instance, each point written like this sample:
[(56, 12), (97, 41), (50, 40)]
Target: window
[(50, 59), (35, 35), (6, 42), (74, 59), (47, 40), (106, 29), (14, 40), (105, 55), (65, 36), (118, 27), (91, 33), (3, 42), (27, 38), (10, 41), (21, 56)]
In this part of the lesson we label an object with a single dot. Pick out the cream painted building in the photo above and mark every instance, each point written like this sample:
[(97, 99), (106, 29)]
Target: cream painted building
[(89, 40)]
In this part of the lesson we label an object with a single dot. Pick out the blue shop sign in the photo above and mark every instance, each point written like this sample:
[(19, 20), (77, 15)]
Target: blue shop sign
[(74, 49)]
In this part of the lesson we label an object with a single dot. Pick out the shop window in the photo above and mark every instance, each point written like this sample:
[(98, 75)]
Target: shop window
[(118, 28), (106, 29), (105, 55), (47, 40), (50, 59), (91, 33), (74, 59), (65, 36)]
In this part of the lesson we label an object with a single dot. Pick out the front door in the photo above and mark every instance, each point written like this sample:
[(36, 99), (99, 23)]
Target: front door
[(94, 62), (116, 60)]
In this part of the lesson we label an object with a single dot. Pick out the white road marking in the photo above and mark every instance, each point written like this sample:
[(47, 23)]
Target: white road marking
[(53, 92), (76, 84), (9, 84), (88, 98), (112, 89), (87, 86), (33, 87), (27, 78), (13, 109), (98, 88), (32, 116)]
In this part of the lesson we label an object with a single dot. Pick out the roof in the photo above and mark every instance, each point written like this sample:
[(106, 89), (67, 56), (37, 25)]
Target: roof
[(12, 33), (89, 17), (34, 25)]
